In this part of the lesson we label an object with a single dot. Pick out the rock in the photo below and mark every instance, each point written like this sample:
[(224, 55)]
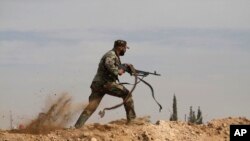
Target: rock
[(224, 125), (145, 136), (93, 139), (112, 136), (159, 122)]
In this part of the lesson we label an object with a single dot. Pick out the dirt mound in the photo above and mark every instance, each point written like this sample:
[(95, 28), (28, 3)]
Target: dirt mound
[(140, 130)]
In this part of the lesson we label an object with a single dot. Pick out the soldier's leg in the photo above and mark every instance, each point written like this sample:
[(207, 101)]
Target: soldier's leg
[(94, 100), (129, 107), (119, 90)]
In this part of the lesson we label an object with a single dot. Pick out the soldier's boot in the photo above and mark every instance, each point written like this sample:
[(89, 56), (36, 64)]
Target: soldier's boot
[(130, 112), (82, 119), (131, 116)]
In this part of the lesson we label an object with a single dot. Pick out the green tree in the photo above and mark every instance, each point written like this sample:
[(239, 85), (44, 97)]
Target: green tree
[(192, 116), (199, 116), (174, 116)]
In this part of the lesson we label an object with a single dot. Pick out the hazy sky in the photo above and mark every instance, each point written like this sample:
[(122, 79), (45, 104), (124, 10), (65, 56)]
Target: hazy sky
[(201, 48)]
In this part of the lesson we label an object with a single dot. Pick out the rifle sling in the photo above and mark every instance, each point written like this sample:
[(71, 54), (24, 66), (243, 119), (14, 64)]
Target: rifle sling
[(153, 95), (151, 88)]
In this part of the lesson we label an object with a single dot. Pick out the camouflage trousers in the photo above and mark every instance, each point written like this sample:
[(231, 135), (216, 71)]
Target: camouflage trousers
[(99, 89)]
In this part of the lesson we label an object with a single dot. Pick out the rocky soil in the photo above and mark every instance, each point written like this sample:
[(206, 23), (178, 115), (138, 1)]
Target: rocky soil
[(140, 130)]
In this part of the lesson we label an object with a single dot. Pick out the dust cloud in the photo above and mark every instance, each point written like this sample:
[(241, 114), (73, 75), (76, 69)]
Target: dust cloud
[(58, 113)]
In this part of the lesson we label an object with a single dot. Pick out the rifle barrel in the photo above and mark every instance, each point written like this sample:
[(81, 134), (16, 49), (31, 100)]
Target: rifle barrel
[(146, 73)]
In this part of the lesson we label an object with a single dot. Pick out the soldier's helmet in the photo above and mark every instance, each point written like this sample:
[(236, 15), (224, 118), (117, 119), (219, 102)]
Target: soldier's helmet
[(118, 43)]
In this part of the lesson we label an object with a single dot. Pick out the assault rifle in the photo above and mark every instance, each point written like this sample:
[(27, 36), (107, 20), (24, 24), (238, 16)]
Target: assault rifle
[(127, 68)]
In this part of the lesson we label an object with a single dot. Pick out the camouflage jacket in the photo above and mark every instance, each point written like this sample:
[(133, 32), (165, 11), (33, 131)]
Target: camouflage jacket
[(108, 68)]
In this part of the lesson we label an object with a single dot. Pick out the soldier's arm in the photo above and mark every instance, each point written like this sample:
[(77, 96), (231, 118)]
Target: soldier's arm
[(111, 66)]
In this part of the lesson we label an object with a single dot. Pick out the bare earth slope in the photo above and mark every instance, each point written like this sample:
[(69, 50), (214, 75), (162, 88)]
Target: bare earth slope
[(140, 130)]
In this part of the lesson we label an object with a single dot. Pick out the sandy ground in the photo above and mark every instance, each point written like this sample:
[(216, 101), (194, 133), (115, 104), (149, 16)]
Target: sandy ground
[(50, 124), (140, 130)]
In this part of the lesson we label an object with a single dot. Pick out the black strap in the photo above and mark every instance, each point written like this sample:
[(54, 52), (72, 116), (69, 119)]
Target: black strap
[(152, 90)]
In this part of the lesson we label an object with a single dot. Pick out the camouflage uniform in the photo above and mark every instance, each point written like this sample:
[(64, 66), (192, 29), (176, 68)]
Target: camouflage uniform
[(103, 83)]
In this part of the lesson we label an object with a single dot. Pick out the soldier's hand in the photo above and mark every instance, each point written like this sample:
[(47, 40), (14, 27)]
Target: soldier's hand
[(121, 71), (130, 69), (127, 64)]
